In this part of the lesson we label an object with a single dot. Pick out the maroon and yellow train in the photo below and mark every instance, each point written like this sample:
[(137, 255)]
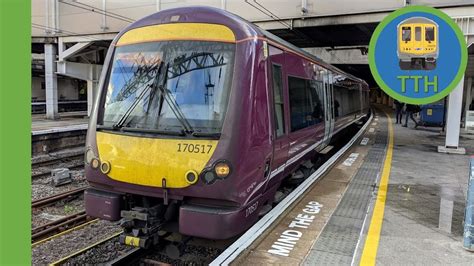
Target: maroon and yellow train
[(200, 117)]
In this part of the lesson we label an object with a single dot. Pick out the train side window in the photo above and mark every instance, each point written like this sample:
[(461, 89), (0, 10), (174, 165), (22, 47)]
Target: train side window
[(429, 34), (406, 34), (417, 33), (278, 100), (305, 103), (317, 94)]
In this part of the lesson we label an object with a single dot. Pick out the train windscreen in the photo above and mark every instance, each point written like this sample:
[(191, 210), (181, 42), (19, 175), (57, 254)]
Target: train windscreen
[(429, 34), (406, 34), (169, 86)]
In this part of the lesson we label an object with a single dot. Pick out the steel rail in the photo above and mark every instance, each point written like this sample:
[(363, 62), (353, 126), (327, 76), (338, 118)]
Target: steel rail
[(45, 201), (63, 232), (128, 258), (70, 165), (64, 259), (43, 231)]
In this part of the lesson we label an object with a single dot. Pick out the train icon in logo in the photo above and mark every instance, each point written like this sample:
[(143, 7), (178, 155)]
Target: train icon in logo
[(418, 44)]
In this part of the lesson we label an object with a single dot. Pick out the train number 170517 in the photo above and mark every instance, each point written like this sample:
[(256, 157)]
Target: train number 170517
[(194, 148)]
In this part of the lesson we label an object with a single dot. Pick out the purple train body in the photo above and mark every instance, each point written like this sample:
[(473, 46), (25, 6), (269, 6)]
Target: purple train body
[(276, 107)]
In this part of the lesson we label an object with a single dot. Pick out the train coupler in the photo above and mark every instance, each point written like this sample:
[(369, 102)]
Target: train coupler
[(141, 226)]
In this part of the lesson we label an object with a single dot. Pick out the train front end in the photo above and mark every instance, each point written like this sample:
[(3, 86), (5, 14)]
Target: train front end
[(418, 45), (159, 142)]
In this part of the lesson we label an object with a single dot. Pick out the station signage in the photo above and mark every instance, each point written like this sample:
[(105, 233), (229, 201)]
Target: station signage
[(417, 55), (290, 237)]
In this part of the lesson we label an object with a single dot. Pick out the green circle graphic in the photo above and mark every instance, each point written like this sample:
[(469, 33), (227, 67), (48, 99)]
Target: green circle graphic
[(373, 42)]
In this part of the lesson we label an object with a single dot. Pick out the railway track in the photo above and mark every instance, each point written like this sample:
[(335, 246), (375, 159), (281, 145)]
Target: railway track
[(137, 256), (51, 160), (58, 226), (71, 158), (130, 257), (66, 259), (55, 227), (55, 198), (74, 165)]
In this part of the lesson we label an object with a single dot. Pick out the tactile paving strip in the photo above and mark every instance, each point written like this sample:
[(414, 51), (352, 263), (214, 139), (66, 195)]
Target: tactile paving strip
[(338, 240)]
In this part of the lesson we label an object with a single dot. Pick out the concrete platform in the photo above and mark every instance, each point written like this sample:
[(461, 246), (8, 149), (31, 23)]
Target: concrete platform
[(416, 217), (69, 121), (424, 210), (392, 199)]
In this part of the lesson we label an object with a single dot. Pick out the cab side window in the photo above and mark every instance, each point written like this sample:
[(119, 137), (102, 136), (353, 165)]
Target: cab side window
[(406, 34), (278, 100), (429, 34)]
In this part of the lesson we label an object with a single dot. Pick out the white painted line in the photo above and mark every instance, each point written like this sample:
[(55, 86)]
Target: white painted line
[(351, 159), (364, 141), (59, 129), (372, 130), (376, 119), (266, 221), (374, 124), (290, 237)]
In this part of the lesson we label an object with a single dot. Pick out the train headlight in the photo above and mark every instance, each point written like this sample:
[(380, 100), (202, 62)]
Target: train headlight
[(89, 156), (191, 177), (222, 169), (105, 167), (95, 163)]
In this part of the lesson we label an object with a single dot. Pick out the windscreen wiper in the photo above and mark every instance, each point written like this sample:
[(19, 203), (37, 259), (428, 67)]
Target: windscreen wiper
[(132, 107), (155, 131), (206, 134), (172, 104)]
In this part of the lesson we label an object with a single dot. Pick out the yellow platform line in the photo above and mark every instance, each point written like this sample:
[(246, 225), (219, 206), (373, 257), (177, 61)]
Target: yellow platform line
[(64, 232), (369, 254), (60, 261)]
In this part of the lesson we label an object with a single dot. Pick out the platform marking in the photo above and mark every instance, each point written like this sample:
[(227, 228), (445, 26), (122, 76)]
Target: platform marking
[(289, 238), (374, 124), (369, 254), (371, 130), (364, 141), (351, 159), (376, 119)]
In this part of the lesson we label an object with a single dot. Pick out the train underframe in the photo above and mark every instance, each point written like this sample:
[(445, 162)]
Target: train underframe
[(418, 63)]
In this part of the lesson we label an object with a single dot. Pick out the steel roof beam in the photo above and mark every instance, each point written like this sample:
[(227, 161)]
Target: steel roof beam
[(73, 50)]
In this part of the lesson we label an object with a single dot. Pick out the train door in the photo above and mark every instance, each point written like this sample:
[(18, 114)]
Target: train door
[(418, 40), (277, 94), (328, 107)]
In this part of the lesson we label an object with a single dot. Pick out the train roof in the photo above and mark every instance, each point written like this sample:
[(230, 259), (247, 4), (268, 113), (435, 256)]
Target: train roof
[(417, 20), (241, 28)]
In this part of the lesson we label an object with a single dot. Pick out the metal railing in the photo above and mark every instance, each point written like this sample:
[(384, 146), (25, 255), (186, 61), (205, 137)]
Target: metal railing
[(466, 23)]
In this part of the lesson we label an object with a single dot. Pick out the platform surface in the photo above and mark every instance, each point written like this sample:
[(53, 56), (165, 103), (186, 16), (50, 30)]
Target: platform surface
[(396, 182), (419, 218), (424, 211), (67, 121)]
